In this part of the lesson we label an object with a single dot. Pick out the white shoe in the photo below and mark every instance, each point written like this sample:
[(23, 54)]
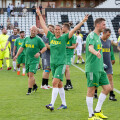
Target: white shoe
[(49, 86), (44, 87)]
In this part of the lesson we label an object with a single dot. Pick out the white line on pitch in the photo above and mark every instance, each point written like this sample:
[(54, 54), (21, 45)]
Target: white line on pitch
[(84, 72)]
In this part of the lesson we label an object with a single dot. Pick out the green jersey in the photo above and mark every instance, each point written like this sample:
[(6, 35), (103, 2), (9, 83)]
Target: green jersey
[(57, 48), (112, 53), (69, 43), (93, 63), (32, 46), (18, 42)]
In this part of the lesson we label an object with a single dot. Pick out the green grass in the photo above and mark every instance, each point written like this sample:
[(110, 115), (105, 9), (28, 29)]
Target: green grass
[(15, 105)]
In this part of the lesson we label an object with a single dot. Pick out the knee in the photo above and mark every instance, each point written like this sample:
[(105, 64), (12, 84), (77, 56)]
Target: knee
[(55, 84), (60, 85)]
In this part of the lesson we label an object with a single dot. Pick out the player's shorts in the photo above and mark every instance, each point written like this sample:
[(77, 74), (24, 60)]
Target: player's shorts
[(96, 79), (109, 70), (12, 54), (69, 60), (32, 67), (21, 59), (79, 52), (4, 54), (58, 71), (46, 64)]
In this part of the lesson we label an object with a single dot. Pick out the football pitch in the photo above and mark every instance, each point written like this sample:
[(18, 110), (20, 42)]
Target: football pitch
[(16, 105)]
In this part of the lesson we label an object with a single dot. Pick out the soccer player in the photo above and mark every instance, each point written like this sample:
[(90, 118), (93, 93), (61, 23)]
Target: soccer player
[(79, 47), (95, 74), (58, 58), (71, 44), (106, 48), (21, 58), (46, 60), (4, 53), (11, 39), (34, 47)]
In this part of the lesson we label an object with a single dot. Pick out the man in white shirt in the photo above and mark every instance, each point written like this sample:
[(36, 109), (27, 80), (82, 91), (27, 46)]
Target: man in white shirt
[(79, 47), (22, 5), (11, 8)]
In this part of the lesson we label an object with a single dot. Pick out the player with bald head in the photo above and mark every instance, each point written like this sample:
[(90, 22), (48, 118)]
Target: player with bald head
[(34, 47)]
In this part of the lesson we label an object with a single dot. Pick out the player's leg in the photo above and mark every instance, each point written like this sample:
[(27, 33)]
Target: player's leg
[(1, 59), (78, 54), (106, 89), (112, 95), (82, 59), (74, 56), (14, 62), (18, 69), (23, 74)]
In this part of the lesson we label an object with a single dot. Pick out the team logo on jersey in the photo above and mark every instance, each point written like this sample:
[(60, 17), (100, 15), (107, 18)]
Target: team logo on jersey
[(13, 40), (55, 42), (29, 45), (68, 42), (106, 49), (99, 46), (20, 43)]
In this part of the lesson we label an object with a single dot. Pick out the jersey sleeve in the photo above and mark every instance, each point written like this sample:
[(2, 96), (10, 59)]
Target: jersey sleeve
[(91, 39), (74, 39), (41, 44), (15, 43), (23, 44), (9, 39), (49, 35), (112, 53), (66, 37)]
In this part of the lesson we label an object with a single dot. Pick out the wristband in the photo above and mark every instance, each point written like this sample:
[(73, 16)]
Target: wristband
[(40, 53)]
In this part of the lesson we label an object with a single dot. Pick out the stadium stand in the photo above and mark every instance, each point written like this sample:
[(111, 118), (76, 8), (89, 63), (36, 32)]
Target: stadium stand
[(59, 16), (24, 23)]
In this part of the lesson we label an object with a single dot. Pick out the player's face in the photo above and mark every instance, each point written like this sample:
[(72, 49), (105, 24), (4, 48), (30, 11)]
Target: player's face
[(57, 30), (64, 29), (22, 35), (51, 29), (15, 31), (33, 31), (4, 31), (106, 35), (102, 26)]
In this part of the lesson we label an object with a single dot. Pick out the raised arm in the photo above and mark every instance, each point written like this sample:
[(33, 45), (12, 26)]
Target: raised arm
[(78, 26), (42, 22)]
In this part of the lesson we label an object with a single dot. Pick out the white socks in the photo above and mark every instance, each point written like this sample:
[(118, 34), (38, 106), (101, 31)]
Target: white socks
[(62, 95), (23, 70), (14, 65), (18, 69), (89, 101), (77, 61), (83, 60), (101, 99), (54, 95), (73, 58)]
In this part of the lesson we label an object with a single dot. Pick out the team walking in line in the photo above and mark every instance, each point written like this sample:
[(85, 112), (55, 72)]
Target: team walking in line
[(57, 48)]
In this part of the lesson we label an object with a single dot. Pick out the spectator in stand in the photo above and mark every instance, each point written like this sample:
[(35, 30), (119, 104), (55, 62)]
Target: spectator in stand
[(8, 11), (24, 12), (18, 6), (2, 11), (20, 14), (40, 7), (11, 8), (33, 9), (15, 24), (9, 25), (9, 5), (1, 26), (53, 5), (22, 5), (12, 13)]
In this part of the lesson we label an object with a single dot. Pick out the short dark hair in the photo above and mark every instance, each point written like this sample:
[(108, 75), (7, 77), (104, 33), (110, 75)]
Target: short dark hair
[(98, 21), (51, 25), (21, 32), (78, 32), (107, 30), (67, 25)]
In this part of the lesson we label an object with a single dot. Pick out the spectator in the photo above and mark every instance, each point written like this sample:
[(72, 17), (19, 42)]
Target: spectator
[(2, 12), (18, 6), (78, 5), (12, 13), (20, 14), (33, 9), (9, 5), (40, 7), (8, 11), (24, 12), (53, 5), (1, 27), (22, 5), (11, 8), (15, 24), (9, 25)]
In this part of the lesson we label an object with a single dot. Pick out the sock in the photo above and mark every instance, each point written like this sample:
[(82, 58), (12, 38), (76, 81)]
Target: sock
[(18, 69), (23, 70), (14, 65), (73, 58), (47, 82), (101, 99), (35, 86), (96, 92), (54, 95), (0, 63), (62, 95), (43, 81), (77, 61), (111, 93), (83, 60), (68, 82), (7, 63), (89, 101), (29, 90)]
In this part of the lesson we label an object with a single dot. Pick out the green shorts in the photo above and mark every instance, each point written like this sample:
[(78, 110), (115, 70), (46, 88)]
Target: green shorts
[(96, 79), (32, 67), (21, 59), (68, 59), (58, 71)]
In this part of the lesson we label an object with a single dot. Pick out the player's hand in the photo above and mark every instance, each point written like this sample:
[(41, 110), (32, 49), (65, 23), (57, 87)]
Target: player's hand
[(38, 12), (13, 54), (113, 62), (15, 58), (98, 54), (2, 49), (37, 55), (85, 18)]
